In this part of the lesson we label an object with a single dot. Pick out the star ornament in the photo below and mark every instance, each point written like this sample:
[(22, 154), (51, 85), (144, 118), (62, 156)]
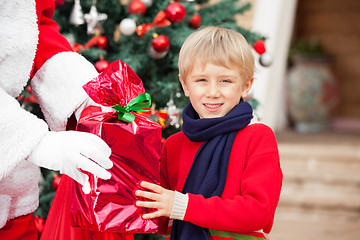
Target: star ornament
[(93, 19)]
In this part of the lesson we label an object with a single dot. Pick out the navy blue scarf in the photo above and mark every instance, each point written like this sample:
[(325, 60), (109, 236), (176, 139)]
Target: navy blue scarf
[(208, 172)]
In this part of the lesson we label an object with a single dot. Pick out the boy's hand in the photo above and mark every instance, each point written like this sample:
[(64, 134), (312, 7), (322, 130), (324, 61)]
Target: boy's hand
[(161, 199)]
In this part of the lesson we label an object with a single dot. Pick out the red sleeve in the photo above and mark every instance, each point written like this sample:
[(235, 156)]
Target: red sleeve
[(51, 41), (254, 206)]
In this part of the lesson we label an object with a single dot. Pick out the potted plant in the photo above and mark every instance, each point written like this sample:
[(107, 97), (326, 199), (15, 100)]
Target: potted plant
[(312, 87)]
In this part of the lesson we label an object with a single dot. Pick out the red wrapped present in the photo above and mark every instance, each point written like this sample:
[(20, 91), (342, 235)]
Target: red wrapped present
[(135, 142)]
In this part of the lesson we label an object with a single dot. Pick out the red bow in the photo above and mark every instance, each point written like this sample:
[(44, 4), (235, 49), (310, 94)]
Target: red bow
[(160, 20), (92, 42)]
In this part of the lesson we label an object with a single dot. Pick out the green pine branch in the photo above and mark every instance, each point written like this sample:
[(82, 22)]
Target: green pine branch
[(159, 75)]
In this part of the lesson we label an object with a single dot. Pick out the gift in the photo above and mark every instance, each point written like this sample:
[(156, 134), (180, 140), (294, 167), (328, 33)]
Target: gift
[(135, 142)]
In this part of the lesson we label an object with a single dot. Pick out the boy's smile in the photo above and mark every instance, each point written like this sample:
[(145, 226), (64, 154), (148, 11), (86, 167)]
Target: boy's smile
[(214, 89)]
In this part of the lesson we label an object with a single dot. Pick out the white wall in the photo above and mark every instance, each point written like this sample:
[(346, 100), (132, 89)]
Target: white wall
[(273, 19)]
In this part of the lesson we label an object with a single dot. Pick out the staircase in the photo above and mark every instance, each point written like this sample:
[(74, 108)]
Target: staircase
[(320, 197)]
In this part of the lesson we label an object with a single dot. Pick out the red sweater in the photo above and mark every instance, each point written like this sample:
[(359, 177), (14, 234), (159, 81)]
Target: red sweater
[(252, 188)]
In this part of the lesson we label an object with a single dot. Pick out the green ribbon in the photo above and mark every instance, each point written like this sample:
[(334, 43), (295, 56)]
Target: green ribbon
[(137, 104)]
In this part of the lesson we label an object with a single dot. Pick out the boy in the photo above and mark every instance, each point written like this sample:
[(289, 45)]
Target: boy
[(223, 175)]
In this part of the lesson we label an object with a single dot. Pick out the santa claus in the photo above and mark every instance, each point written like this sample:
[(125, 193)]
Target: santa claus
[(31, 47)]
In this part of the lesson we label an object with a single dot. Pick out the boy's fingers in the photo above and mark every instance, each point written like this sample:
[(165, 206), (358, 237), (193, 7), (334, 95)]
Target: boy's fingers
[(148, 195), (151, 215), (151, 186), (147, 204)]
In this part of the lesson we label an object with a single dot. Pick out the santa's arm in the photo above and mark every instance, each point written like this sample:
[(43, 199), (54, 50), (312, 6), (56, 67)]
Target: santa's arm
[(20, 132), (59, 73)]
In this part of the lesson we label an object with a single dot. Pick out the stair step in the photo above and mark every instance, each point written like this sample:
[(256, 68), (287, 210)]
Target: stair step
[(324, 152), (313, 169), (317, 162), (315, 195), (320, 171), (320, 197), (310, 224)]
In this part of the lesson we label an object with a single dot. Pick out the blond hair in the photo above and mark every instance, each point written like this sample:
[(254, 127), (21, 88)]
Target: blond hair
[(218, 46)]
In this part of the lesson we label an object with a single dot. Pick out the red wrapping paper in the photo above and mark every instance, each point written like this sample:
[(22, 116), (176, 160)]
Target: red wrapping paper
[(135, 153)]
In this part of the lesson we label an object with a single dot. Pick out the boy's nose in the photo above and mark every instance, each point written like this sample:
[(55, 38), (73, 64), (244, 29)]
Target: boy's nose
[(213, 91)]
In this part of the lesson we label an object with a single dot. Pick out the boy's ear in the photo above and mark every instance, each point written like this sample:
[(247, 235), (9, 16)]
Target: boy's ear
[(184, 87), (247, 87)]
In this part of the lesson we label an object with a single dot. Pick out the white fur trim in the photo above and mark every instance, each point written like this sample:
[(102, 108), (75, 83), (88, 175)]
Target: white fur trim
[(4, 209), (19, 194), (19, 38), (20, 132), (58, 87)]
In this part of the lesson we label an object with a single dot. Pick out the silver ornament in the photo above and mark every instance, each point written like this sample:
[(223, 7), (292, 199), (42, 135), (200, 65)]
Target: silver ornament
[(173, 113), (147, 3), (70, 37), (265, 59), (77, 15), (127, 26), (94, 19), (156, 55)]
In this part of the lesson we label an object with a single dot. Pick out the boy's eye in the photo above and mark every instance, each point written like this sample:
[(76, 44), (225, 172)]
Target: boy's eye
[(201, 80), (226, 80)]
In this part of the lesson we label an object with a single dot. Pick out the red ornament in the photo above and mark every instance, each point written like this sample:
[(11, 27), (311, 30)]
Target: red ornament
[(102, 42), (161, 43), (59, 3), (28, 89), (195, 21), (175, 12), (137, 7), (78, 47), (259, 47), (39, 223), (101, 65), (56, 181), (30, 99)]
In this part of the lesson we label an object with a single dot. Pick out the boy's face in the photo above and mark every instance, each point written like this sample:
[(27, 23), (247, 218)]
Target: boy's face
[(214, 90)]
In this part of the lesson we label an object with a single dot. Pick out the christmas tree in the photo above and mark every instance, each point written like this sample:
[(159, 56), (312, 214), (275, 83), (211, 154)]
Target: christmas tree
[(147, 35)]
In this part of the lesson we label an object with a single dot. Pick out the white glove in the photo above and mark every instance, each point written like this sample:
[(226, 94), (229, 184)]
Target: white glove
[(70, 151)]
